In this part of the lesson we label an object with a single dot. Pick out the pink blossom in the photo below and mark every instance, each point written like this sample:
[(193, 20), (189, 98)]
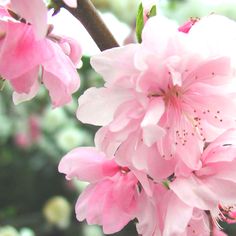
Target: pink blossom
[(172, 91), (27, 49), (188, 25), (30, 135), (164, 214), (214, 183), (34, 128), (22, 140), (110, 183)]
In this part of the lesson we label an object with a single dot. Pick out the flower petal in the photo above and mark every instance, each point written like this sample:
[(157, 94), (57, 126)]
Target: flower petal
[(60, 76), (22, 97), (87, 164), (33, 11), (112, 65), (151, 131), (98, 105)]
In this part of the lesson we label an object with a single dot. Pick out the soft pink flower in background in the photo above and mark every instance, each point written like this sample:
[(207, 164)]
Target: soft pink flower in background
[(25, 139), (31, 53)]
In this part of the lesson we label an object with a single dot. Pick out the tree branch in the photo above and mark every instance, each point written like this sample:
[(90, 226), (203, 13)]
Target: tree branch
[(87, 14)]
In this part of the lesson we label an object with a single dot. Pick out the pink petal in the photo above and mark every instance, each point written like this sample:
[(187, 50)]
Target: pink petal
[(157, 40), (112, 213), (23, 83), (211, 43), (195, 193), (187, 26), (20, 52), (60, 76), (224, 190), (224, 170), (216, 109), (190, 152), (98, 105), (146, 215), (22, 97), (199, 224), (112, 65), (143, 180), (151, 131), (223, 149), (87, 164), (177, 212), (158, 167), (33, 11), (75, 50), (215, 71)]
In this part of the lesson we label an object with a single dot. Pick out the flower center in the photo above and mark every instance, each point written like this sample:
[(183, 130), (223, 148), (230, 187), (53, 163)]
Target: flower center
[(173, 94)]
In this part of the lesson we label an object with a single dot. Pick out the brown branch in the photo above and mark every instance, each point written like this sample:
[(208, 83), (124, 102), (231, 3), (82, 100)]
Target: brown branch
[(87, 14)]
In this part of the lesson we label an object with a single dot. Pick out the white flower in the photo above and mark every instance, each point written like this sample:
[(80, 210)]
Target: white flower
[(57, 211), (92, 230), (71, 137), (27, 232), (54, 118), (8, 231)]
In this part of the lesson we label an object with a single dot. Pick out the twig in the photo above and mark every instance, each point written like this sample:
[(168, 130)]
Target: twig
[(87, 14)]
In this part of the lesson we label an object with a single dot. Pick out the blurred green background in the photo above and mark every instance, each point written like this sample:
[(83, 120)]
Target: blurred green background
[(34, 198)]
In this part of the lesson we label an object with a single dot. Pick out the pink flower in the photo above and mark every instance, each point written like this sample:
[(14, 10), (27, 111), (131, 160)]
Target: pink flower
[(215, 182), (30, 134), (164, 214), (22, 140), (188, 25), (172, 91), (30, 53), (103, 202)]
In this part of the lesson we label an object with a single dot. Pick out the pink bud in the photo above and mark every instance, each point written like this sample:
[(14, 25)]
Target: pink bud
[(188, 25)]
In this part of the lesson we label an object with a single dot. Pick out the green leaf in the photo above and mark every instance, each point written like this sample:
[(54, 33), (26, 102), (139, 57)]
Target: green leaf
[(153, 11), (139, 23), (166, 184)]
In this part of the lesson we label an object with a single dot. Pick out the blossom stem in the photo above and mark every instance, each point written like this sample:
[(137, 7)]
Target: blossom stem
[(87, 14)]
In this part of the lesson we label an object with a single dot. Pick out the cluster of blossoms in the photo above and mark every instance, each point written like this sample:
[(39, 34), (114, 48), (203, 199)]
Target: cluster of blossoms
[(35, 54), (165, 154)]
